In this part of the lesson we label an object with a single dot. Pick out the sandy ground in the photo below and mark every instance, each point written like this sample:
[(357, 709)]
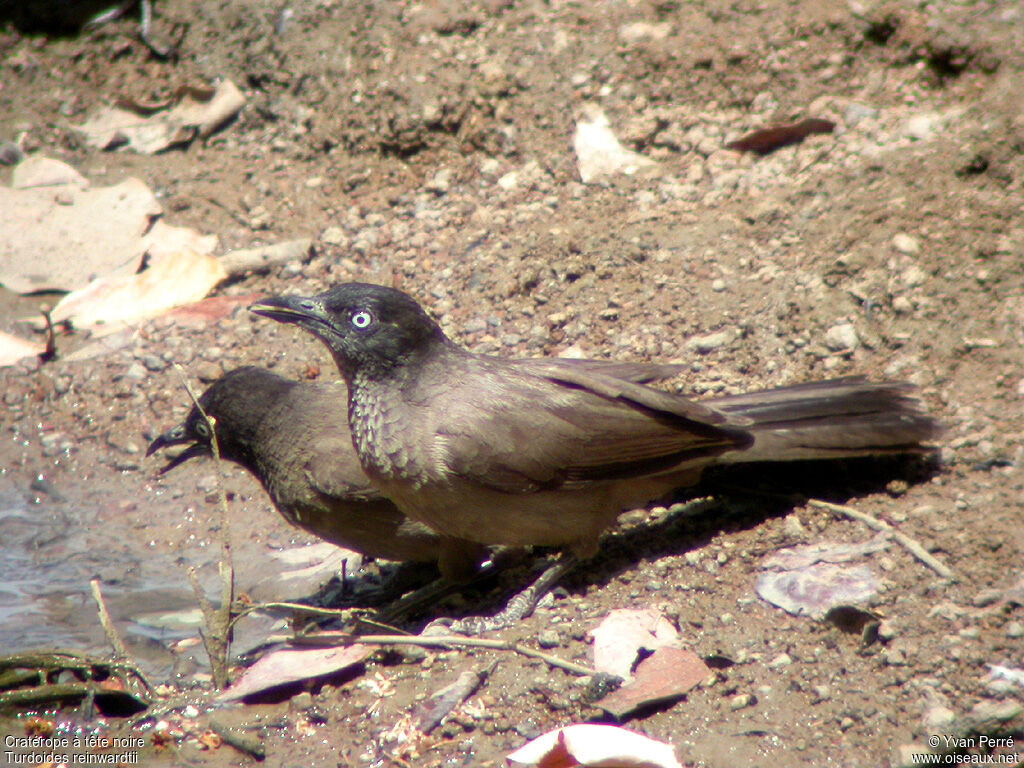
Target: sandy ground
[(430, 146)]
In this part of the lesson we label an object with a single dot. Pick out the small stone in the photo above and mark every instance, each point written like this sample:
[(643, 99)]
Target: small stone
[(742, 701), (135, 371), (913, 276), (857, 112), (894, 657), (153, 363), (314, 181), (901, 305), (986, 597), (718, 285), (301, 702), (842, 338), (920, 127), (821, 693), (1014, 629), (548, 638), (937, 718), (712, 341), (887, 631), (847, 723), (441, 182), (907, 244), (780, 661), (333, 236), (208, 372)]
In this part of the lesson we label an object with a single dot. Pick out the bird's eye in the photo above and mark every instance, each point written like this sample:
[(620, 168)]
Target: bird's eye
[(362, 319), (201, 429)]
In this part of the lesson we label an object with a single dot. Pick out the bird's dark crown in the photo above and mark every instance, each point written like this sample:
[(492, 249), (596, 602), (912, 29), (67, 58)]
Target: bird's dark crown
[(368, 328)]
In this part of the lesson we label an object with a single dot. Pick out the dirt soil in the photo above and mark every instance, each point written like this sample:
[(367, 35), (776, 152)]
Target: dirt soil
[(429, 145)]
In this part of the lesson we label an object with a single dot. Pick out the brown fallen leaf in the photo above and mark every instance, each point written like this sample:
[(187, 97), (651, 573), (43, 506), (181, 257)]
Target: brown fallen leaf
[(766, 140), (291, 665), (664, 676), (109, 303), (150, 128)]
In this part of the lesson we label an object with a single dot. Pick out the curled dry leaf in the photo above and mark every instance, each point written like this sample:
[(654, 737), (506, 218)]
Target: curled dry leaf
[(621, 635), (290, 665), (15, 348), (152, 128), (108, 304), (594, 746), (766, 140)]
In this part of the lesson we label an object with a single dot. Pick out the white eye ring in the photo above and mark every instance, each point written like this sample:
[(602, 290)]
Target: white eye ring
[(362, 319)]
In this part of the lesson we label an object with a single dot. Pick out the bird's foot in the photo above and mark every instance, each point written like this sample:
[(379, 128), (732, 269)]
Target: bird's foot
[(519, 607)]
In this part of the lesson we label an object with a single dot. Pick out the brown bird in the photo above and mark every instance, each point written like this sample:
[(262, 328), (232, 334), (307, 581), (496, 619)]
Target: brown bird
[(483, 450), (289, 435)]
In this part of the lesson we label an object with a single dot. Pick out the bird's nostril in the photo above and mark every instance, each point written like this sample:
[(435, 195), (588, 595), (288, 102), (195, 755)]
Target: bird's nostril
[(307, 304)]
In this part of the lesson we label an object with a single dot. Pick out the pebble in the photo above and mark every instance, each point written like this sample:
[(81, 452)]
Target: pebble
[(842, 338), (937, 718), (913, 276), (907, 244), (153, 363), (986, 597), (207, 371), (742, 701), (920, 127), (1014, 629), (135, 371), (781, 661), (333, 236), (548, 638), (887, 631), (718, 285), (857, 112), (894, 657), (712, 341)]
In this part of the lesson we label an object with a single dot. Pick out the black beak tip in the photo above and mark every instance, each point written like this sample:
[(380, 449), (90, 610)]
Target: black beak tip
[(156, 445)]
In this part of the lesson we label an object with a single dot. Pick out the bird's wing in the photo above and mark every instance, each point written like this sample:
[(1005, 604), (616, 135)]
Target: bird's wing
[(627, 371), (521, 433), (333, 469)]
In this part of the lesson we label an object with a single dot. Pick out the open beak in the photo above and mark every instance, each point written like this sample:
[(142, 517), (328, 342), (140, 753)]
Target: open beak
[(176, 436)]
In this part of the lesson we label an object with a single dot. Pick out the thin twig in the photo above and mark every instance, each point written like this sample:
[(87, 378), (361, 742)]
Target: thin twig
[(341, 638), (108, 625), (911, 545), (218, 636)]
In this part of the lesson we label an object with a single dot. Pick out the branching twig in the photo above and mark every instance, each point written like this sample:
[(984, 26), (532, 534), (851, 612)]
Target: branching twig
[(341, 638), (911, 545), (108, 625), (217, 638)]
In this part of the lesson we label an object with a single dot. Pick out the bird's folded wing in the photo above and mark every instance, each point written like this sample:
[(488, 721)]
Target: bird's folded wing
[(333, 469), (571, 429)]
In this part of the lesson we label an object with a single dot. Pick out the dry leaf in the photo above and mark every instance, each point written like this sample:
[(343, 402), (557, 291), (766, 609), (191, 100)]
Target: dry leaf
[(61, 238), (621, 635), (814, 590), (290, 665), (594, 746), (664, 676), (15, 348), (108, 304), (766, 140), (150, 129)]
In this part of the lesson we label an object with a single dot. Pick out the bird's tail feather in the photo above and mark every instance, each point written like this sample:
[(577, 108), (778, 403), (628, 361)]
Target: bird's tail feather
[(837, 418)]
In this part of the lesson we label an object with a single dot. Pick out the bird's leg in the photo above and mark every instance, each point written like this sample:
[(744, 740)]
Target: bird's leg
[(146, 16), (435, 590), (521, 605)]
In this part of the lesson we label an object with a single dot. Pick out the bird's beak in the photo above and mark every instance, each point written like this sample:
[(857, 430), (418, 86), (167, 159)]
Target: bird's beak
[(307, 313), (176, 436)]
